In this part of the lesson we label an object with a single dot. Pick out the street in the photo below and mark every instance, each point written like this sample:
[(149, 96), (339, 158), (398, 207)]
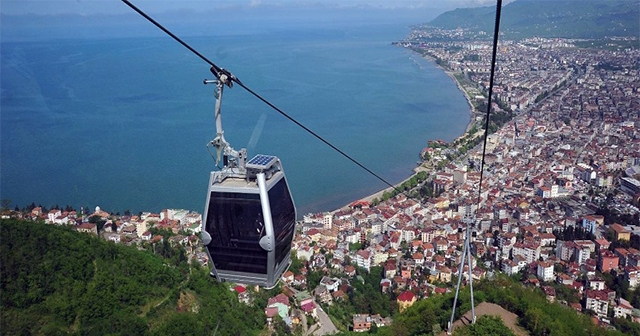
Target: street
[(326, 326)]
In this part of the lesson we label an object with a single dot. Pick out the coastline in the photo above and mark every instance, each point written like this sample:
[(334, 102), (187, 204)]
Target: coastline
[(472, 109), (419, 168)]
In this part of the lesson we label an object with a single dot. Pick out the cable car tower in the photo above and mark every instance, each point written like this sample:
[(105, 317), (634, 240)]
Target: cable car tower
[(249, 216), (469, 220)]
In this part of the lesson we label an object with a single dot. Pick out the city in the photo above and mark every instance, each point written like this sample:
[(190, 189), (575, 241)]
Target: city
[(558, 201)]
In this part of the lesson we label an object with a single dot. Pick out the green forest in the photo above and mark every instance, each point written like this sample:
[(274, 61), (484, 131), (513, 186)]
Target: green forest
[(56, 281)]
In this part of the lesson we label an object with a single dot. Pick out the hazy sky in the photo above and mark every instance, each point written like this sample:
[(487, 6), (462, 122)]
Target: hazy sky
[(86, 7)]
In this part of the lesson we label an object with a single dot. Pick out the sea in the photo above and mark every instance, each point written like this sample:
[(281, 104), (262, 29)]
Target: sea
[(122, 120)]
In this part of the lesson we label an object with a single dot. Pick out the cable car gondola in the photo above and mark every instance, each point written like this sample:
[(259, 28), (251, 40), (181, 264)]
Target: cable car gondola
[(249, 215)]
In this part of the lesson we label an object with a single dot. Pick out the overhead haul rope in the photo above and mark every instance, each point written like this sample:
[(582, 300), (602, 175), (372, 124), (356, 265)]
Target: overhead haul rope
[(217, 71), (496, 30)]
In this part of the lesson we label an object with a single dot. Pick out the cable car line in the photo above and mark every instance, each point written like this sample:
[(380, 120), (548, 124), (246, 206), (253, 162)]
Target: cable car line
[(491, 74), (470, 220), (319, 137), (228, 78)]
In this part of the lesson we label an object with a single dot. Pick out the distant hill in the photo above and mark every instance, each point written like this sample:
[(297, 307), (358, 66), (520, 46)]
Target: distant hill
[(546, 18)]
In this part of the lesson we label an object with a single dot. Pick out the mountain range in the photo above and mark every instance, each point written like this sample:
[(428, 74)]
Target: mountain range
[(591, 19)]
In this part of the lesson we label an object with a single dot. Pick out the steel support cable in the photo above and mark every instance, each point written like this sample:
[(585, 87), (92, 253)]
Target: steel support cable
[(317, 136), (486, 124), (217, 71), (150, 19)]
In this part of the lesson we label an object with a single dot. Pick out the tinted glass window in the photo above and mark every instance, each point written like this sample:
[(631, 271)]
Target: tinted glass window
[(283, 215), (236, 224)]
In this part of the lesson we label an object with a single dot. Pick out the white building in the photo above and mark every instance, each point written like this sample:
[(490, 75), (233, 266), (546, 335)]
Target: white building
[(598, 301), (622, 309), (363, 259), (304, 253), (510, 267), (376, 227), (176, 214), (192, 218), (380, 257), (52, 215), (582, 253), (545, 271), (531, 251), (327, 221), (596, 284), (114, 237), (141, 227), (632, 276), (352, 237)]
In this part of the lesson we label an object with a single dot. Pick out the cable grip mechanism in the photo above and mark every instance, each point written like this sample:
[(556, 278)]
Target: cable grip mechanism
[(231, 159)]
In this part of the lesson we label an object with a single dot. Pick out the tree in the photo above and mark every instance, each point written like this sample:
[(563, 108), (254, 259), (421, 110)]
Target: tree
[(313, 279), (296, 264), (182, 324), (485, 325), (98, 221), (626, 327), (279, 326), (373, 329)]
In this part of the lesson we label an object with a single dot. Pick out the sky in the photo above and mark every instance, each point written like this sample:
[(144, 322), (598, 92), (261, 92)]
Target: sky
[(89, 7)]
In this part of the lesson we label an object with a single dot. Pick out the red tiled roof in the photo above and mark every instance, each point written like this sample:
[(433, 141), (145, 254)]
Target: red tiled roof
[(280, 298), (406, 296), (271, 311), (309, 306)]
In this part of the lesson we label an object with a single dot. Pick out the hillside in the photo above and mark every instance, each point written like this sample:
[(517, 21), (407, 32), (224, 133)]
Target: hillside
[(545, 18), (535, 314), (58, 281)]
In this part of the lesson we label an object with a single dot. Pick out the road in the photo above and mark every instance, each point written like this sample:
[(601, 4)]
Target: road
[(326, 326)]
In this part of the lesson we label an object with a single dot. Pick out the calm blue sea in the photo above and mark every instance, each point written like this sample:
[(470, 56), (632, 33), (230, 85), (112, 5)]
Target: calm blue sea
[(123, 122)]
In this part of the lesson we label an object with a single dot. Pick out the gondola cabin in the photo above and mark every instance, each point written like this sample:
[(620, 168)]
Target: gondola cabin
[(249, 223)]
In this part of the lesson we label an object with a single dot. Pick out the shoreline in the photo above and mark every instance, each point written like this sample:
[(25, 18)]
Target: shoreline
[(419, 168), (450, 74)]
